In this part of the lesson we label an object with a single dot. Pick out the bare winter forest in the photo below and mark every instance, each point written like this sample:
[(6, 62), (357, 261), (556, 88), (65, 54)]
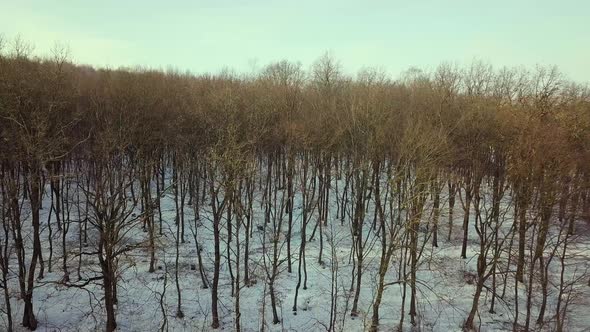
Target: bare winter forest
[(292, 198)]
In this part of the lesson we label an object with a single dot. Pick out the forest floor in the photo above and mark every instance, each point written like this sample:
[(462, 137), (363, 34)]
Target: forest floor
[(444, 283)]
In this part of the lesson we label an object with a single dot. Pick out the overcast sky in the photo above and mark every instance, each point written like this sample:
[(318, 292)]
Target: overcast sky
[(205, 36)]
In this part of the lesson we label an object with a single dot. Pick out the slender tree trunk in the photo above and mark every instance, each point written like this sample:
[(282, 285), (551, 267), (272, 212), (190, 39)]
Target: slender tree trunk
[(436, 208), (217, 212), (466, 208), (452, 192), (29, 319)]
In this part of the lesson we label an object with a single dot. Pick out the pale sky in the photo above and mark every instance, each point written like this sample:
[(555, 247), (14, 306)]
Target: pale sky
[(206, 36)]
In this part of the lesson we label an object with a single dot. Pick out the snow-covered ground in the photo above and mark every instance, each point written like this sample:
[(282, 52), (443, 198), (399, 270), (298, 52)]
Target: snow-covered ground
[(444, 298)]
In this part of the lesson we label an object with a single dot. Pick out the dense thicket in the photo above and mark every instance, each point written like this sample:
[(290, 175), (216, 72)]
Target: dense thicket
[(505, 150)]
